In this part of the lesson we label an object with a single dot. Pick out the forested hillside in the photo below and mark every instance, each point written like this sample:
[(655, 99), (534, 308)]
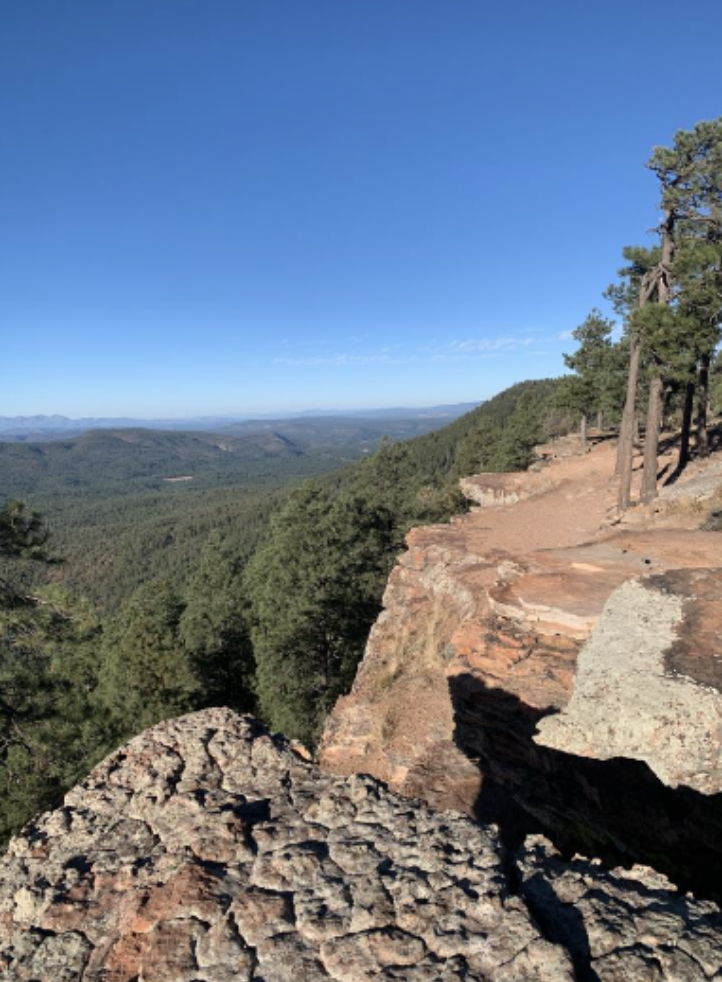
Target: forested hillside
[(251, 597), (124, 507), (105, 462), (110, 546), (129, 505)]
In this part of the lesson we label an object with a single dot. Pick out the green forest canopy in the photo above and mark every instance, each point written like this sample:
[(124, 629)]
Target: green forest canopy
[(270, 615)]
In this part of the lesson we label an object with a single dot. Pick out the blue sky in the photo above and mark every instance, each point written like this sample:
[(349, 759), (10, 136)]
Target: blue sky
[(261, 205)]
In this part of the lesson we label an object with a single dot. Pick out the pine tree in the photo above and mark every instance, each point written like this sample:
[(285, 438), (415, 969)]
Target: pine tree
[(631, 294), (47, 674), (715, 383), (214, 629), (698, 269), (597, 385), (690, 176), (315, 590), (147, 674)]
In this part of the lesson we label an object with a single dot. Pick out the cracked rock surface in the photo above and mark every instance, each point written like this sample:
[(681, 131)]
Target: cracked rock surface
[(207, 851), (619, 925)]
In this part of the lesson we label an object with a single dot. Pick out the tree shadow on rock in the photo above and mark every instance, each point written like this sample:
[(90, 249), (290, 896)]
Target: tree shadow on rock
[(561, 923), (616, 810)]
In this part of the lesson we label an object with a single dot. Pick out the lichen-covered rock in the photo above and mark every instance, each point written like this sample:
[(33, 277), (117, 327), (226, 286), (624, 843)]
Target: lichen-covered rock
[(207, 851), (649, 682)]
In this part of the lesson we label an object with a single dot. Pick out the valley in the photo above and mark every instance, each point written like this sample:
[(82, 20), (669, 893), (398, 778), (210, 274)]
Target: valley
[(129, 505)]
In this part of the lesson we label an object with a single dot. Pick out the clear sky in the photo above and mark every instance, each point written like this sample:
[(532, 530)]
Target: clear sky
[(218, 206)]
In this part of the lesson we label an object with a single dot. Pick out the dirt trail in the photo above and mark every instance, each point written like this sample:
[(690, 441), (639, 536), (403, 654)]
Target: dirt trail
[(576, 502)]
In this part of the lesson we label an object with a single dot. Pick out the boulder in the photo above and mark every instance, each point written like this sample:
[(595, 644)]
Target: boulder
[(208, 851)]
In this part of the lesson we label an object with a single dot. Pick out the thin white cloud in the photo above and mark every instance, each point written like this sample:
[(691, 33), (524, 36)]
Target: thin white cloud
[(564, 336), (342, 361), (508, 343), (453, 352)]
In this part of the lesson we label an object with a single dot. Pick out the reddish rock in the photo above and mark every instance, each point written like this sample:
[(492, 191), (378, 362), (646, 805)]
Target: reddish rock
[(479, 642), (332, 880)]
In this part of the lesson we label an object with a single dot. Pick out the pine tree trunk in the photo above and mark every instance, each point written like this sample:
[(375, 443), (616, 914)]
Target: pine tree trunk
[(702, 434), (683, 459), (600, 421), (651, 441), (583, 434), (656, 388), (625, 451)]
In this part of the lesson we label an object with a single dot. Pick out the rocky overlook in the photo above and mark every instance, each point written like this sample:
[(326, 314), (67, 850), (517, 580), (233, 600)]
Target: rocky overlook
[(207, 851), (539, 661)]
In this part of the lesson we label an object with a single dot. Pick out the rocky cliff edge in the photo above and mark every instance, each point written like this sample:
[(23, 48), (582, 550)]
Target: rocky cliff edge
[(540, 662)]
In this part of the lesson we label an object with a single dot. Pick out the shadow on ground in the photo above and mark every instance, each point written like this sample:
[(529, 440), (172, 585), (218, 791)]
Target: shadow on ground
[(617, 810)]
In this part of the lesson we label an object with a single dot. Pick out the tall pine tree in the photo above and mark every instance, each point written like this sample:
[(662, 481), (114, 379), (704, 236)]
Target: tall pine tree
[(315, 590)]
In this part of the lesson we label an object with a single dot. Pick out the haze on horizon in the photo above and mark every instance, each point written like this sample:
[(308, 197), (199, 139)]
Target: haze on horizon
[(249, 207)]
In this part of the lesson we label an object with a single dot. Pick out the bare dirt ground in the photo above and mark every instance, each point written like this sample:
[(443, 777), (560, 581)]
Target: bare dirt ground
[(577, 497), (578, 502)]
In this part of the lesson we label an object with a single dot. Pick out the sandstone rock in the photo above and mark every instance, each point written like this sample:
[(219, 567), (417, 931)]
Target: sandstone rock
[(315, 878), (489, 490), (478, 648)]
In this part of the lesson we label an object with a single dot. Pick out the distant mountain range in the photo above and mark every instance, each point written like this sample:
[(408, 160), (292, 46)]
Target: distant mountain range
[(32, 428), (122, 460), (118, 460)]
